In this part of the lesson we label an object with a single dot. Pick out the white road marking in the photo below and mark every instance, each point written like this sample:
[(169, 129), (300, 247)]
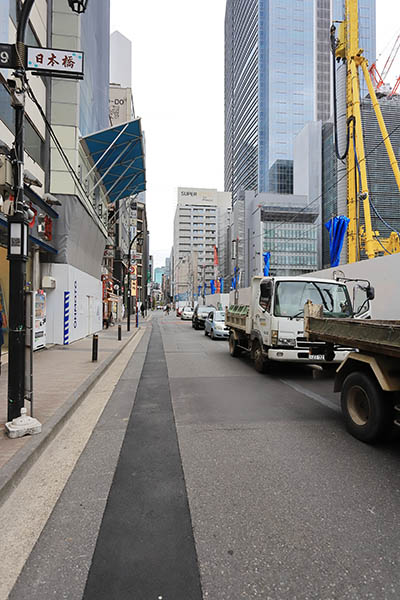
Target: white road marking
[(312, 395)]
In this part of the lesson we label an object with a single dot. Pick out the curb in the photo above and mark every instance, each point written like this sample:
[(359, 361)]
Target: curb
[(15, 469)]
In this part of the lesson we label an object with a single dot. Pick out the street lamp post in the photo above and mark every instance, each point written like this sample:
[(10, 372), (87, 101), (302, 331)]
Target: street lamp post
[(128, 321), (18, 225)]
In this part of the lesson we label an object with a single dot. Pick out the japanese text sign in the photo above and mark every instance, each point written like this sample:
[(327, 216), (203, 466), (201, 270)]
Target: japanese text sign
[(48, 59)]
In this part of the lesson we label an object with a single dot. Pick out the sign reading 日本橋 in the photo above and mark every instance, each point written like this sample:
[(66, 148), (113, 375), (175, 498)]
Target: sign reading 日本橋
[(49, 59)]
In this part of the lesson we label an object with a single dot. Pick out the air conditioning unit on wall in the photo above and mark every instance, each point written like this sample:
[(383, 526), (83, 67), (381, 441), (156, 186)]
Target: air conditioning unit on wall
[(48, 283)]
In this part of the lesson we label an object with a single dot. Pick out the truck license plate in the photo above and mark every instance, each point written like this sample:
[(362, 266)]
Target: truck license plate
[(317, 357)]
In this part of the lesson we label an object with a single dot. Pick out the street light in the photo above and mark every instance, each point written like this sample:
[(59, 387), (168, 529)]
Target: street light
[(139, 242), (18, 224), (78, 6)]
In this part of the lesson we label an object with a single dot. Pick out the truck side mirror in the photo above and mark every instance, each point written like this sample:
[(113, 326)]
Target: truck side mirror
[(370, 292), (266, 295)]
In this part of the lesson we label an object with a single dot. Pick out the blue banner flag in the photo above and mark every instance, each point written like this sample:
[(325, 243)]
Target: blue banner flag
[(267, 260), (337, 228)]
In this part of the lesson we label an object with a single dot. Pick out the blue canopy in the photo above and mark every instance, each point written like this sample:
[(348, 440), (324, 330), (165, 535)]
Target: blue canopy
[(337, 228), (118, 157)]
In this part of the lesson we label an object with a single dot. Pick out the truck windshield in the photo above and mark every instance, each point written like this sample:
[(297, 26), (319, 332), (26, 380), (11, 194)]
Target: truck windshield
[(291, 296)]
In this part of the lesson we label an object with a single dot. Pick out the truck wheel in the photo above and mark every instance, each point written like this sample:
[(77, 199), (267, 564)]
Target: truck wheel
[(233, 346), (259, 360), (366, 411)]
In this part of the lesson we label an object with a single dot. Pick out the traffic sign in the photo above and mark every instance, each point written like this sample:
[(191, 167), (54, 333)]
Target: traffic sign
[(8, 59), (57, 62)]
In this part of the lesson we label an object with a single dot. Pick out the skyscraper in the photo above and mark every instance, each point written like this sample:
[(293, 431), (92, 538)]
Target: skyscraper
[(277, 78)]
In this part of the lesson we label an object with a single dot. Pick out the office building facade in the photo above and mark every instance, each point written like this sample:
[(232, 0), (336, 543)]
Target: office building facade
[(277, 79), (196, 225)]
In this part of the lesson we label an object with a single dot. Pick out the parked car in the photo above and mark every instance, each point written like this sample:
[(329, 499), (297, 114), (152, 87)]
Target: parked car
[(215, 325), (187, 313), (199, 316)]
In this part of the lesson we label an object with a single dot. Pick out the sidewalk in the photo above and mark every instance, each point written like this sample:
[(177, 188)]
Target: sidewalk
[(62, 376)]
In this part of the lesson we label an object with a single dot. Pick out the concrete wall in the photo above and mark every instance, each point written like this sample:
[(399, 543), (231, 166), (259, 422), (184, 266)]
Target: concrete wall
[(217, 300), (384, 275)]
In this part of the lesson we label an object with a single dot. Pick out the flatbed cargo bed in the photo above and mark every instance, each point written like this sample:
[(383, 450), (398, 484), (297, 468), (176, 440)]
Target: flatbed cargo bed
[(236, 316), (378, 337)]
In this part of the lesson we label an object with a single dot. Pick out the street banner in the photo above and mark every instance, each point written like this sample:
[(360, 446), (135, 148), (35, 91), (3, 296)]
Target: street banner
[(215, 255)]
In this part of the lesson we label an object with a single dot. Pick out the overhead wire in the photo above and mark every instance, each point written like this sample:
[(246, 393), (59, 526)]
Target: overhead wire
[(334, 185)]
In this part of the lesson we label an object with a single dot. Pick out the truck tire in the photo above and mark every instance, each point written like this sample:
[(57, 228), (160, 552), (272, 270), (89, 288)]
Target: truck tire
[(366, 411), (259, 361), (233, 346)]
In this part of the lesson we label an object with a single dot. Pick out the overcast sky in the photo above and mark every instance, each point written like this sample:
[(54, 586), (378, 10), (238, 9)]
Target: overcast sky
[(178, 91)]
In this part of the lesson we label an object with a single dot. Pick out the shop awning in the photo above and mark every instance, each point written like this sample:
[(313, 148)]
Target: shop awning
[(118, 157)]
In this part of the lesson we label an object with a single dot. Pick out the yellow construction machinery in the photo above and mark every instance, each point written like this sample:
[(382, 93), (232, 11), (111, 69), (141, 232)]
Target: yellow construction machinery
[(346, 47)]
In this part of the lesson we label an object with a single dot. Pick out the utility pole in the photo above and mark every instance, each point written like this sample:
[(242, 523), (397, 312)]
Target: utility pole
[(235, 257), (204, 285), (18, 224), (128, 320)]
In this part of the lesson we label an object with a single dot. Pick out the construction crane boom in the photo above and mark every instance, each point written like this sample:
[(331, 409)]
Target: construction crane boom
[(347, 48)]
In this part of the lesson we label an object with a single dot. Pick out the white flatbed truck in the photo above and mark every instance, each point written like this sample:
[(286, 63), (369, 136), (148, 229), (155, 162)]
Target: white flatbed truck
[(271, 326)]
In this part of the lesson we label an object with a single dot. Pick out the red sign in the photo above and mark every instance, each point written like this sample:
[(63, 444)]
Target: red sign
[(48, 228), (215, 255)]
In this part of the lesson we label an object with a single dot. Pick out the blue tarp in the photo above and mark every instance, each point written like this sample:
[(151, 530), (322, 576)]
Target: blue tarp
[(267, 259), (199, 290), (234, 279), (221, 281), (212, 286), (118, 152), (337, 228)]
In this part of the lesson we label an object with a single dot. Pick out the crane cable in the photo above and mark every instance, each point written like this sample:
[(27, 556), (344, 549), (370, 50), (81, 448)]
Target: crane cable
[(351, 119)]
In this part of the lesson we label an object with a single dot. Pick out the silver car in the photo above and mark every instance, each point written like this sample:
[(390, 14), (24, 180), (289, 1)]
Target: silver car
[(215, 325)]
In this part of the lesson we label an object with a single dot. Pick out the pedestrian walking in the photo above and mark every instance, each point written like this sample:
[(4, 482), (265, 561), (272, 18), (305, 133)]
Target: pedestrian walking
[(142, 309)]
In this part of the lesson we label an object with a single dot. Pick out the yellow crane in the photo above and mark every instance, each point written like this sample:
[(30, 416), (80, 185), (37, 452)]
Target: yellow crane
[(347, 48)]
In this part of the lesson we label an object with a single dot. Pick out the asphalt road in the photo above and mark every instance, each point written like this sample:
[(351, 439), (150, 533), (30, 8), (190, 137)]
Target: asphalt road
[(285, 505), (206, 478)]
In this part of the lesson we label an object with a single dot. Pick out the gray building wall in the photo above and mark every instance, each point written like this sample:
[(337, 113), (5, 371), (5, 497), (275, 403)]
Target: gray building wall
[(308, 174), (93, 89)]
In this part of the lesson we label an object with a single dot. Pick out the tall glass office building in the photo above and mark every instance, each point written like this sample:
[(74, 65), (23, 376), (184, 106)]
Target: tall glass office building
[(277, 78)]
